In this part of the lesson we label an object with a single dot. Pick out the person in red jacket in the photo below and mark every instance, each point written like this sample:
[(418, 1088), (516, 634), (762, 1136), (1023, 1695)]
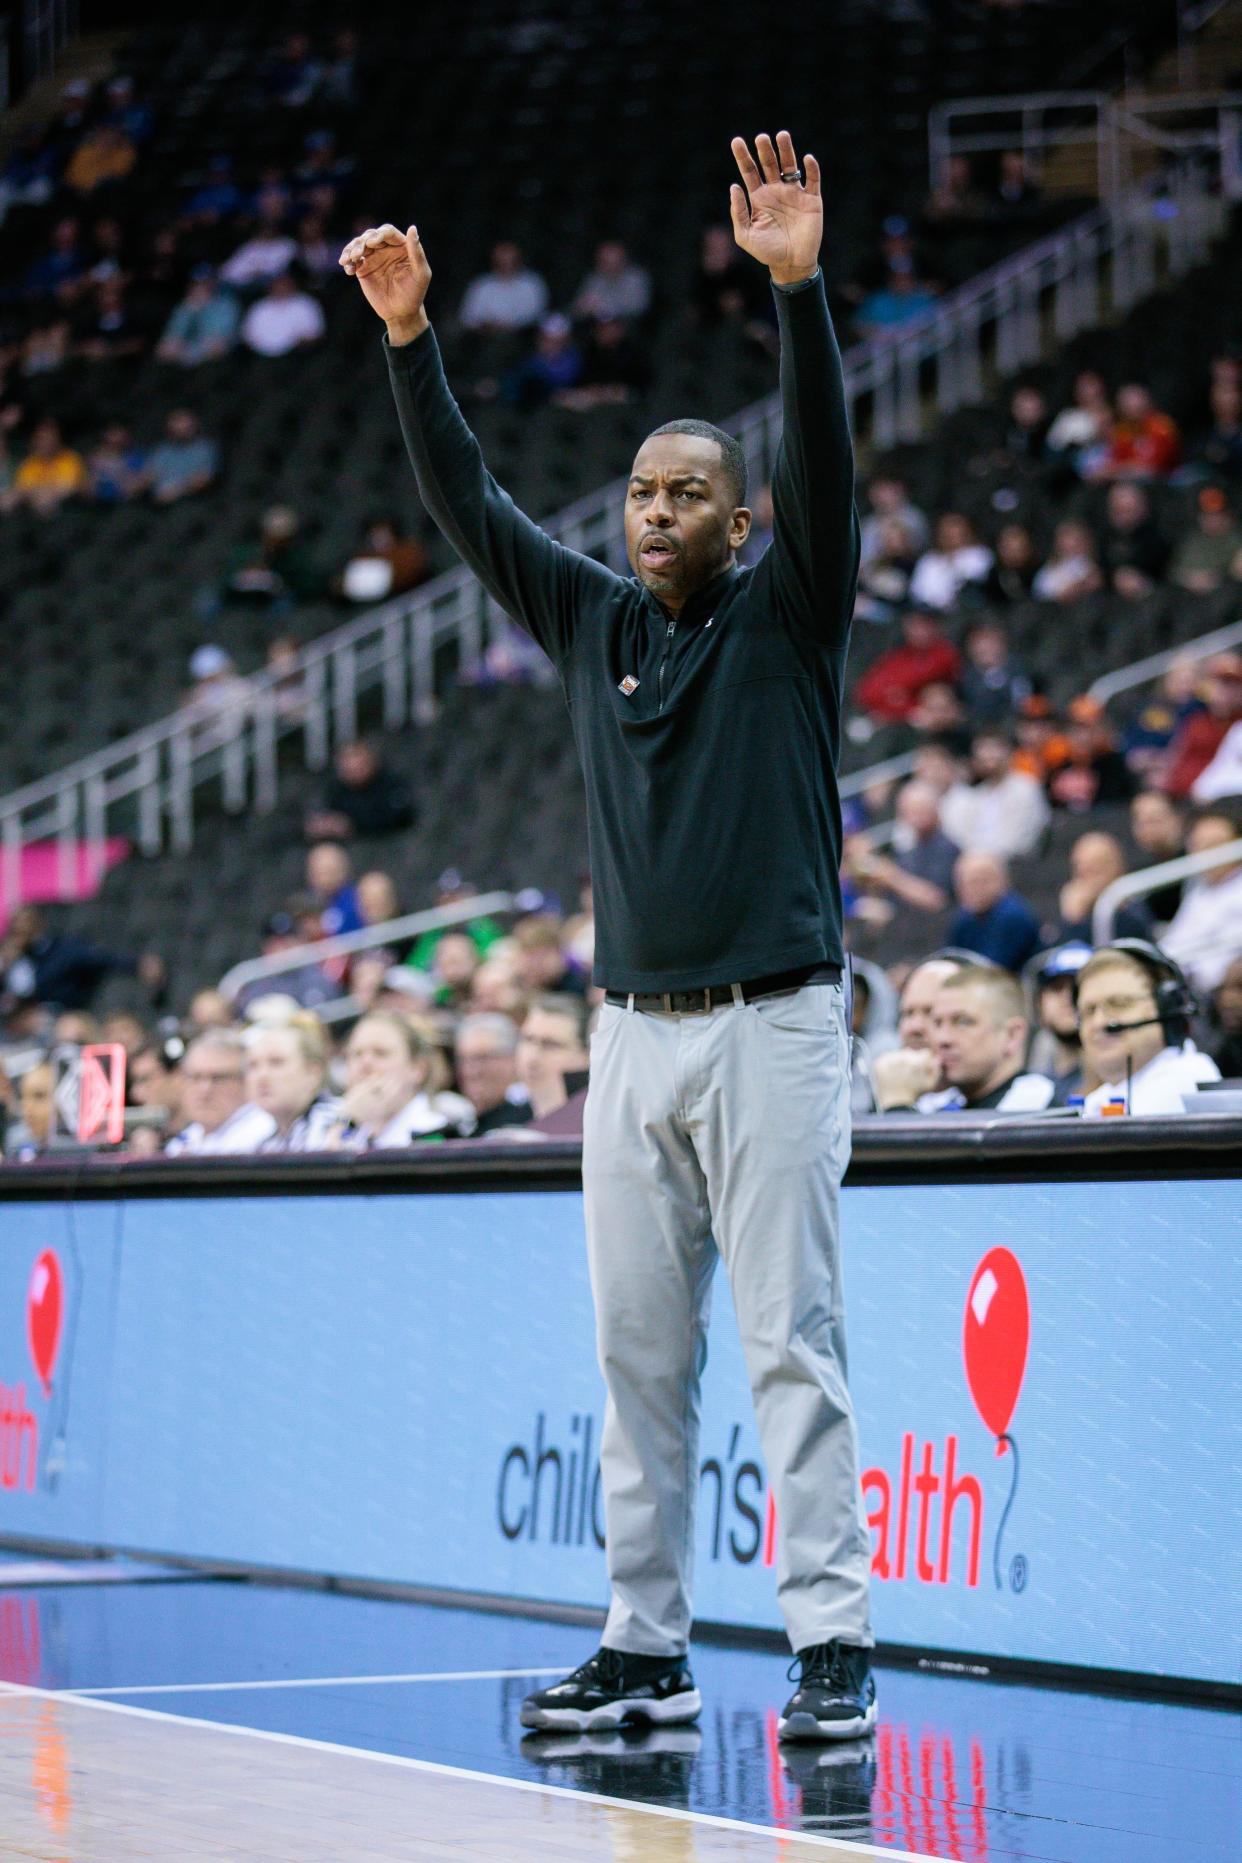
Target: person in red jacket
[(1200, 736), (890, 689), (1144, 443)]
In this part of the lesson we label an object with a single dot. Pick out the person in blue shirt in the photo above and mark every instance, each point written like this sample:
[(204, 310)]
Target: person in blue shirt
[(993, 921)]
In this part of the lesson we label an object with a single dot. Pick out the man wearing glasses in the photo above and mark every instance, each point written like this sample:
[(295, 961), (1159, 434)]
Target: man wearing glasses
[(219, 1117)]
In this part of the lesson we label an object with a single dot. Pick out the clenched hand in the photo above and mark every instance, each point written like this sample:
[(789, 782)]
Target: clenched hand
[(394, 274)]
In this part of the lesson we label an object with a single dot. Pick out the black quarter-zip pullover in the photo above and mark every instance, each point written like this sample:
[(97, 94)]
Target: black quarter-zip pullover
[(709, 744)]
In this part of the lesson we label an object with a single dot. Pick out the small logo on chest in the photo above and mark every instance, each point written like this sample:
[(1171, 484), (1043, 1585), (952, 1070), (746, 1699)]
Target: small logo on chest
[(628, 685)]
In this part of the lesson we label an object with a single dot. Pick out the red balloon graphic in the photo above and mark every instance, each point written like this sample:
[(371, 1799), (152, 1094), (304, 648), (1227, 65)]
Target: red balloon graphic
[(45, 1308), (995, 1338)]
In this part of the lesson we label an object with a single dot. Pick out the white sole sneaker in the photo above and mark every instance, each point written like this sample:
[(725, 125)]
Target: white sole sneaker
[(806, 1727), (624, 1713)]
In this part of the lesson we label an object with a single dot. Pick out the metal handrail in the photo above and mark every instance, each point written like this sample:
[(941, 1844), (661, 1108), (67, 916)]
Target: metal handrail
[(1105, 260), (345, 944), (1139, 672), (1151, 879)]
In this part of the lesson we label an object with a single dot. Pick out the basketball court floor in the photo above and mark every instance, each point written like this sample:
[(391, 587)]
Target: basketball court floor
[(155, 1715)]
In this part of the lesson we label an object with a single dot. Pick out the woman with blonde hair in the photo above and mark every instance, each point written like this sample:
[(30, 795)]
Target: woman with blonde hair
[(392, 1096), (286, 1068)]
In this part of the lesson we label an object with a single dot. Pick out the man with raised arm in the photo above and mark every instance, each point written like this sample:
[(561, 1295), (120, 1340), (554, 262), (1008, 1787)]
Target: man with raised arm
[(706, 704)]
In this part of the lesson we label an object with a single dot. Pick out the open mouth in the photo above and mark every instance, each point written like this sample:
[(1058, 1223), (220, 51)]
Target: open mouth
[(656, 554)]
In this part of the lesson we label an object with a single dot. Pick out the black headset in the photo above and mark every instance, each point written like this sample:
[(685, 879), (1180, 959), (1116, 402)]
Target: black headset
[(1176, 1003)]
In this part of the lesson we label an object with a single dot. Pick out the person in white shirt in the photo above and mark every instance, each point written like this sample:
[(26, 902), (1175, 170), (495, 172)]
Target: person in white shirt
[(284, 320), (390, 1099), (956, 558), (286, 1067), (616, 289), (981, 1031), (1133, 1015), (1223, 776), (264, 257), (508, 297), (1205, 934), (219, 1119), (1003, 811)]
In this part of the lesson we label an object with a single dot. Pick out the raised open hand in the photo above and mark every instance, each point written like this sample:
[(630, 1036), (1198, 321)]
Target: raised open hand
[(782, 223), (394, 274)]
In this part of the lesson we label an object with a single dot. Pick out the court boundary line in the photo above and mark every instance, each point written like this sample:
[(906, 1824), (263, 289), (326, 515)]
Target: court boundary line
[(839, 1846), (313, 1681)]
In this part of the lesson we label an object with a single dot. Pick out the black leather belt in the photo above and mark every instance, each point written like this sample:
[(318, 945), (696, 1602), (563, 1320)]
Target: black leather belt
[(716, 995)]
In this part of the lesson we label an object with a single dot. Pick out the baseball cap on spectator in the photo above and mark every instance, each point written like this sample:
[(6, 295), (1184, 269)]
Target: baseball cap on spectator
[(1064, 960), (209, 662), (409, 982)]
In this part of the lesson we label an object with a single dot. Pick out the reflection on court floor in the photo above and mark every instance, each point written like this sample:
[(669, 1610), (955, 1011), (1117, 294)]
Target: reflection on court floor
[(211, 1719)]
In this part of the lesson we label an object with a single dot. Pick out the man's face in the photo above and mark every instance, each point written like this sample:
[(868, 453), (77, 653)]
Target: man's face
[(213, 1082), (1056, 1007), (1213, 832), (457, 959), (1127, 507), (1096, 861), (356, 764), (979, 882), (914, 1017), (540, 966), (975, 1049), (989, 758), (485, 1069), (151, 1084), (681, 525), (327, 869), (182, 425), (1117, 993), (1155, 824), (548, 1046), (34, 1098)]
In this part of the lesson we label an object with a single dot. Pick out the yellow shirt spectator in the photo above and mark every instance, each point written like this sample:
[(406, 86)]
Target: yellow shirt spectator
[(61, 472)]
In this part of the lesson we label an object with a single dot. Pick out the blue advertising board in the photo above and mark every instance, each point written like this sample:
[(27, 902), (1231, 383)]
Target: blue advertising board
[(402, 1387)]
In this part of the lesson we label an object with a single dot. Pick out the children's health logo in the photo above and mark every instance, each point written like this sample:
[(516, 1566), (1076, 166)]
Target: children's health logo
[(19, 1427)]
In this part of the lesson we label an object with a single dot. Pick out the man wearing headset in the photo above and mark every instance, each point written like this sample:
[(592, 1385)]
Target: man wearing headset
[(1134, 1010)]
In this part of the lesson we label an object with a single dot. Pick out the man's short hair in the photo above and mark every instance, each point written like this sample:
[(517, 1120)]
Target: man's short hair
[(732, 457), (1004, 992), (502, 1030), (1106, 958), (560, 1003)]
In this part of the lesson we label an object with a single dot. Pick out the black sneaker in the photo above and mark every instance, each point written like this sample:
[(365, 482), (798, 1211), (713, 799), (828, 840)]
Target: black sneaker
[(835, 1697), (614, 1689)]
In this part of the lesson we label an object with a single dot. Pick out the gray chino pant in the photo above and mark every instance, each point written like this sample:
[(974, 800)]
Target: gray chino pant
[(723, 1132)]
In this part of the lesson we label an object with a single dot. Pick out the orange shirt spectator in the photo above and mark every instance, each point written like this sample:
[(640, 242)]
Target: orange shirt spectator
[(106, 154), (1144, 443), (50, 472)]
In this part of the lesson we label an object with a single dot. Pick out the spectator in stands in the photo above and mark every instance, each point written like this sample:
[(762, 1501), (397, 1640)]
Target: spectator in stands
[(331, 890), (1016, 195), (50, 473), (902, 300), (509, 296), (955, 201), (363, 797), (309, 986), (47, 347), (1134, 553), (1093, 770), (29, 172), (1095, 861), (1227, 1013), (496, 991), (1012, 575), (204, 325), (724, 289), (1002, 811), (901, 1076), (184, 463), (485, 1050), (116, 467), (389, 1100), (552, 1052), (993, 684), (615, 290), (219, 197), (1080, 431), (219, 699), (1146, 1064), (1223, 776), (286, 1068), (124, 111), (123, 1026), (210, 1009), (1158, 830), (993, 920), (75, 1025), (981, 1031), (36, 1109), (154, 1080), (1205, 555), (553, 365), (890, 688), (106, 329), (293, 75), (919, 871), (1056, 1048), (539, 960), (338, 81), (259, 260), (287, 318), (452, 970), (884, 578), (62, 263), (889, 500), (454, 890), (1143, 443), (956, 561), (104, 157), (1201, 735), (317, 254), (109, 255), (40, 966), (377, 898), (213, 1100), (382, 565), (270, 569), (1206, 933), (1219, 450), (613, 368), (1072, 569), (1155, 724)]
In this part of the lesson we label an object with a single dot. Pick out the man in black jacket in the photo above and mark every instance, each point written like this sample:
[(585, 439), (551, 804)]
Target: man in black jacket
[(706, 706)]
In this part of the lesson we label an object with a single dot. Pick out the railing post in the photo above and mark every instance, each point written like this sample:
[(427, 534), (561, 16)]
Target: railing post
[(393, 674), (67, 840), (234, 753), (95, 826), (422, 691), (265, 767), (948, 395), (909, 407), (150, 813), (345, 694), (884, 399), (1064, 295), (181, 792), (315, 715)]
